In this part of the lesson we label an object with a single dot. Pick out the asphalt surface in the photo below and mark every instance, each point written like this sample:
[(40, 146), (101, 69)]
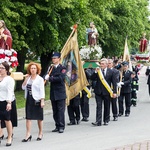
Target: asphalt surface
[(128, 133)]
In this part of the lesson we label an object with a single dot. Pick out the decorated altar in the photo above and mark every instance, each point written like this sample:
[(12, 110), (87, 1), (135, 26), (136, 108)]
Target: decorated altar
[(142, 57), (90, 56)]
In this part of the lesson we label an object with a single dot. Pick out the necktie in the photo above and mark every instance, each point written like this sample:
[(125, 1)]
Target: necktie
[(103, 71)]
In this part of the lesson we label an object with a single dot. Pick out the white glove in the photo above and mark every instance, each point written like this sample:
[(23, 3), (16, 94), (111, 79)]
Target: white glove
[(121, 83), (47, 77)]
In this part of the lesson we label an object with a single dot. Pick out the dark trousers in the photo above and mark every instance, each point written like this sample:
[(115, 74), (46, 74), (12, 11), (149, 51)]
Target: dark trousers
[(133, 98), (114, 107), (59, 113), (74, 110), (84, 103), (149, 88), (99, 100), (127, 97)]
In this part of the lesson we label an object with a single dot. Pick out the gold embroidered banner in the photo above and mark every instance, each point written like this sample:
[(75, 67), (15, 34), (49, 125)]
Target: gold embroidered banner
[(75, 76)]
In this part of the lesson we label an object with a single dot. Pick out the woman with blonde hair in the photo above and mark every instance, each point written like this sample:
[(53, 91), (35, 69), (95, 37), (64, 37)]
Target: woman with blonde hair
[(34, 94)]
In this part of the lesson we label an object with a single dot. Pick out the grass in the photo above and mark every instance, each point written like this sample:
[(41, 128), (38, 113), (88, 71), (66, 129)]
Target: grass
[(20, 100)]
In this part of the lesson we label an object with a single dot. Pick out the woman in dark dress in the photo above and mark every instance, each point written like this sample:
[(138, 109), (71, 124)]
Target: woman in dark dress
[(34, 94)]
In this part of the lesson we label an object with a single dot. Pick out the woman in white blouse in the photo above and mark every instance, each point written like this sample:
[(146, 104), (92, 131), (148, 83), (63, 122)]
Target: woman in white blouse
[(34, 94), (6, 96)]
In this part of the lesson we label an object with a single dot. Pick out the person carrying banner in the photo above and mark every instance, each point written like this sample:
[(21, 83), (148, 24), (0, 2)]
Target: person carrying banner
[(104, 78), (57, 92)]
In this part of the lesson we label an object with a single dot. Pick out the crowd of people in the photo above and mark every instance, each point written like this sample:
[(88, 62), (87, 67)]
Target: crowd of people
[(113, 83)]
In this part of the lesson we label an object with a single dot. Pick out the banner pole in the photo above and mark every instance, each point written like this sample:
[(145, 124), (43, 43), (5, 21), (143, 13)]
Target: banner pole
[(74, 29)]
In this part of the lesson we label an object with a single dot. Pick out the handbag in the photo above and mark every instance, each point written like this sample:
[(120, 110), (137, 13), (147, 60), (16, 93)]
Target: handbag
[(37, 103)]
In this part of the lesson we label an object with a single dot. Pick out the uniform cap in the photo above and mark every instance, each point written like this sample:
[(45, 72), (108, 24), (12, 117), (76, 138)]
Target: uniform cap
[(56, 55), (125, 63)]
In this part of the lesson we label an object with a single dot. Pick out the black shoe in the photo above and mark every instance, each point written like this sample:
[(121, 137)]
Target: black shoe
[(71, 123), (8, 144), (39, 138), (120, 114), (106, 123), (127, 115), (78, 121), (85, 119), (1, 138), (61, 130), (55, 130), (28, 139), (96, 124), (115, 119)]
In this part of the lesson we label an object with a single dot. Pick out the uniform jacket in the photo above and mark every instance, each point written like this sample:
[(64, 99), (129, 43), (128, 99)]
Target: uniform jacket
[(126, 79), (57, 80), (110, 79), (148, 74)]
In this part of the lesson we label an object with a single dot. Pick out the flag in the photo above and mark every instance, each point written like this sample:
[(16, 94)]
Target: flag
[(126, 55), (76, 79)]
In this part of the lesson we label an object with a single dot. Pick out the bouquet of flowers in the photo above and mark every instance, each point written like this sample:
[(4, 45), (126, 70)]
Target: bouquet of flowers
[(91, 52), (9, 56)]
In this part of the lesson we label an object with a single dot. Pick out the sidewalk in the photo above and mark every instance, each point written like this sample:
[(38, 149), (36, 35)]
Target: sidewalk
[(145, 145)]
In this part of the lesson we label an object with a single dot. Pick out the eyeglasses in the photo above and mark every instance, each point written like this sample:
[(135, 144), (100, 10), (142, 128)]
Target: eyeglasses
[(2, 68)]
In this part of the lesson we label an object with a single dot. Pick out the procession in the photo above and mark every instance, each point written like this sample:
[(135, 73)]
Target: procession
[(80, 91)]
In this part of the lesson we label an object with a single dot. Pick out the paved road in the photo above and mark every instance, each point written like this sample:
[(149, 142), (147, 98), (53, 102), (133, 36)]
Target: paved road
[(131, 132)]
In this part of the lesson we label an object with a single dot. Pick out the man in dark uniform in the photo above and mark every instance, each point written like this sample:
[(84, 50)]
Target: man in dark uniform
[(57, 92), (148, 80), (125, 91), (102, 94), (74, 110), (114, 100)]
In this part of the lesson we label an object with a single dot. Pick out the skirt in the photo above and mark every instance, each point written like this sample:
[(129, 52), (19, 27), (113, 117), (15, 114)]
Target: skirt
[(33, 111), (4, 114), (13, 118)]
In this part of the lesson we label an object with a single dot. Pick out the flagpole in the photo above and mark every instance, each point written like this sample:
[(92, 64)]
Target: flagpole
[(121, 71), (74, 29)]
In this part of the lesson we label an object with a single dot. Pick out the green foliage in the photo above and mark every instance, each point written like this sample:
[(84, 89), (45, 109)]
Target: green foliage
[(44, 25)]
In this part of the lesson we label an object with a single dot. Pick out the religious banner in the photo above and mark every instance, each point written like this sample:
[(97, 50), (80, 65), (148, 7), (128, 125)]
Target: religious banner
[(75, 77), (126, 55)]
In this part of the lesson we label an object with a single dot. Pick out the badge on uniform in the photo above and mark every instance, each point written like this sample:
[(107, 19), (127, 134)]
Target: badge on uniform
[(63, 71)]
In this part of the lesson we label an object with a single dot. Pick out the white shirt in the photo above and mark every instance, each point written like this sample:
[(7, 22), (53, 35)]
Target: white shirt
[(38, 89), (7, 89)]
